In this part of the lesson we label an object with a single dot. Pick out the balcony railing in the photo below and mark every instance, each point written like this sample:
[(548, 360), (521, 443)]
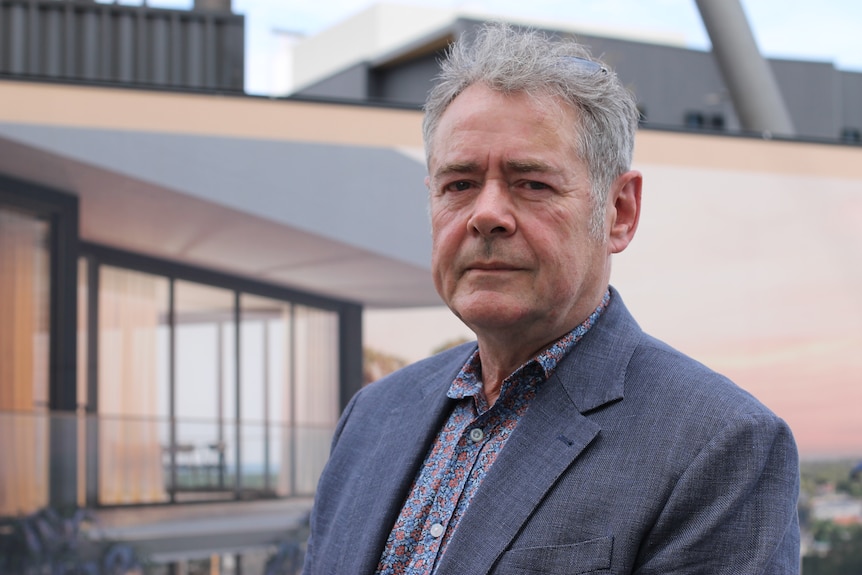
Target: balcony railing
[(141, 460)]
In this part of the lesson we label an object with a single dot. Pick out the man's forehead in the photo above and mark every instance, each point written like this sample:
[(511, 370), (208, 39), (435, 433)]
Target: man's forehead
[(452, 154), (479, 95), (469, 110)]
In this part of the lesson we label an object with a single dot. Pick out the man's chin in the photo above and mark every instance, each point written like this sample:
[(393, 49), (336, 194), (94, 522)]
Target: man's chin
[(489, 311)]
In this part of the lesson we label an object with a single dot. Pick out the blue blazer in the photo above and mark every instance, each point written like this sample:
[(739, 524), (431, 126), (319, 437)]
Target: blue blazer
[(633, 458)]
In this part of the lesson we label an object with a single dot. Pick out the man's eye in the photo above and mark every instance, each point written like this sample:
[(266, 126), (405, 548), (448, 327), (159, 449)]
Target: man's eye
[(536, 186), (459, 186)]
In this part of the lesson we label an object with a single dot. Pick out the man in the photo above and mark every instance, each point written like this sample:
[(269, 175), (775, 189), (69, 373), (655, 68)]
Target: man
[(566, 440)]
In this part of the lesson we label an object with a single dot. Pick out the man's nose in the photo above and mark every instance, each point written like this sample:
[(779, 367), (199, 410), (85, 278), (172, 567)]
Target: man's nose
[(493, 212)]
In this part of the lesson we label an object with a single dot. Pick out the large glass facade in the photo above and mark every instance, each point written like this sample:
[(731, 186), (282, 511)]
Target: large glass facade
[(191, 385), (202, 392), (24, 360)]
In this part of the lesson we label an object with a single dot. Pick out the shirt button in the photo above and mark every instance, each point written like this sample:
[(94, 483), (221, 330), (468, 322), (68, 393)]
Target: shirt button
[(476, 435), (437, 530)]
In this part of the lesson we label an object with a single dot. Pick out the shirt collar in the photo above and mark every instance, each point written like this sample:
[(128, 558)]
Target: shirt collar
[(468, 382)]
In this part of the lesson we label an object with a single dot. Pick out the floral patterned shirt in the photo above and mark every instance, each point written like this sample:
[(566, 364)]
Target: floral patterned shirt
[(463, 452)]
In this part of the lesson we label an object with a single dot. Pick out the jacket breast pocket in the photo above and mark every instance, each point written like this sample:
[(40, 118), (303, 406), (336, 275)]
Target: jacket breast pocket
[(593, 555)]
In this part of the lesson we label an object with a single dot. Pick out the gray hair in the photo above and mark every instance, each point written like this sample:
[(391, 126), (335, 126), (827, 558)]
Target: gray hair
[(524, 60)]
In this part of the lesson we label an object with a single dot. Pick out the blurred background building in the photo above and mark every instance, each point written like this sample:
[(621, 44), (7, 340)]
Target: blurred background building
[(676, 87), (184, 268)]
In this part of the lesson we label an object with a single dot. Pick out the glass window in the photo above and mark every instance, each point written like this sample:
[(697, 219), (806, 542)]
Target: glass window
[(315, 403), (133, 383), (205, 388), (82, 350), (266, 386), (316, 353), (82, 379), (24, 360)]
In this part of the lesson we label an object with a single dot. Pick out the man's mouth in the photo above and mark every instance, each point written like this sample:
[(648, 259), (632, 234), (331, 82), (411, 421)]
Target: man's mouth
[(492, 267)]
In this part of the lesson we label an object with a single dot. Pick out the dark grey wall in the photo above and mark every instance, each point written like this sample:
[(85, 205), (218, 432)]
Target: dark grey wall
[(669, 83), (851, 102), (812, 92), (350, 84), (408, 82)]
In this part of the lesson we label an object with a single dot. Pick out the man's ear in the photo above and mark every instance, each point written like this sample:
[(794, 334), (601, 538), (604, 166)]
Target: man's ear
[(625, 210)]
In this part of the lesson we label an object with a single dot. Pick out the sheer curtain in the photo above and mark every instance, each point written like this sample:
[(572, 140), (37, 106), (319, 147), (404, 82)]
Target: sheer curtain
[(24, 340), (82, 349), (132, 307), (315, 392)]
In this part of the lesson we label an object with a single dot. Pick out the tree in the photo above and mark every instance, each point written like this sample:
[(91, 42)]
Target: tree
[(377, 364), (844, 555)]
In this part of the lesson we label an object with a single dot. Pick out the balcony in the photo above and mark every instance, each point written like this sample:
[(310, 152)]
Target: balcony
[(172, 489)]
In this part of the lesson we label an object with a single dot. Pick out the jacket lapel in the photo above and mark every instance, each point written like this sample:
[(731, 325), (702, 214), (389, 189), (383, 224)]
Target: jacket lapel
[(392, 466), (551, 435), (546, 442)]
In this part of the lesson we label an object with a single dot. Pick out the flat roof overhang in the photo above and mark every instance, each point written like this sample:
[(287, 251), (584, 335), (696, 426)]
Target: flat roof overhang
[(342, 217)]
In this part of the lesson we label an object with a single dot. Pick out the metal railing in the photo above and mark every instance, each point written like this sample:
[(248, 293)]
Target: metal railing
[(145, 460)]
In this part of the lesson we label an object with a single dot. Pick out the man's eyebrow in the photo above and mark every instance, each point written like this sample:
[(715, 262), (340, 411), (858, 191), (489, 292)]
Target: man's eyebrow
[(517, 166), (457, 168), (528, 166)]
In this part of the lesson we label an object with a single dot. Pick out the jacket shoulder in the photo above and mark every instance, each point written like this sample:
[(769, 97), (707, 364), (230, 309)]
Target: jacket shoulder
[(662, 371)]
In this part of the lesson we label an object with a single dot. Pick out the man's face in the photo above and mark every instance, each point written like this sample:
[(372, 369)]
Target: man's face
[(510, 215)]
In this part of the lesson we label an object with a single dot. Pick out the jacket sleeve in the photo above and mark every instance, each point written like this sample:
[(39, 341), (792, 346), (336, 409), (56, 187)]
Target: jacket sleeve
[(310, 561), (733, 510)]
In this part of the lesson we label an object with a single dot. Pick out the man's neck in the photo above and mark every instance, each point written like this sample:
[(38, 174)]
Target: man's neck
[(499, 362), (501, 356)]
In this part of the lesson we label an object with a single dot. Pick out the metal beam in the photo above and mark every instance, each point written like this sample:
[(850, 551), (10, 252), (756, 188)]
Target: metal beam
[(749, 78)]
